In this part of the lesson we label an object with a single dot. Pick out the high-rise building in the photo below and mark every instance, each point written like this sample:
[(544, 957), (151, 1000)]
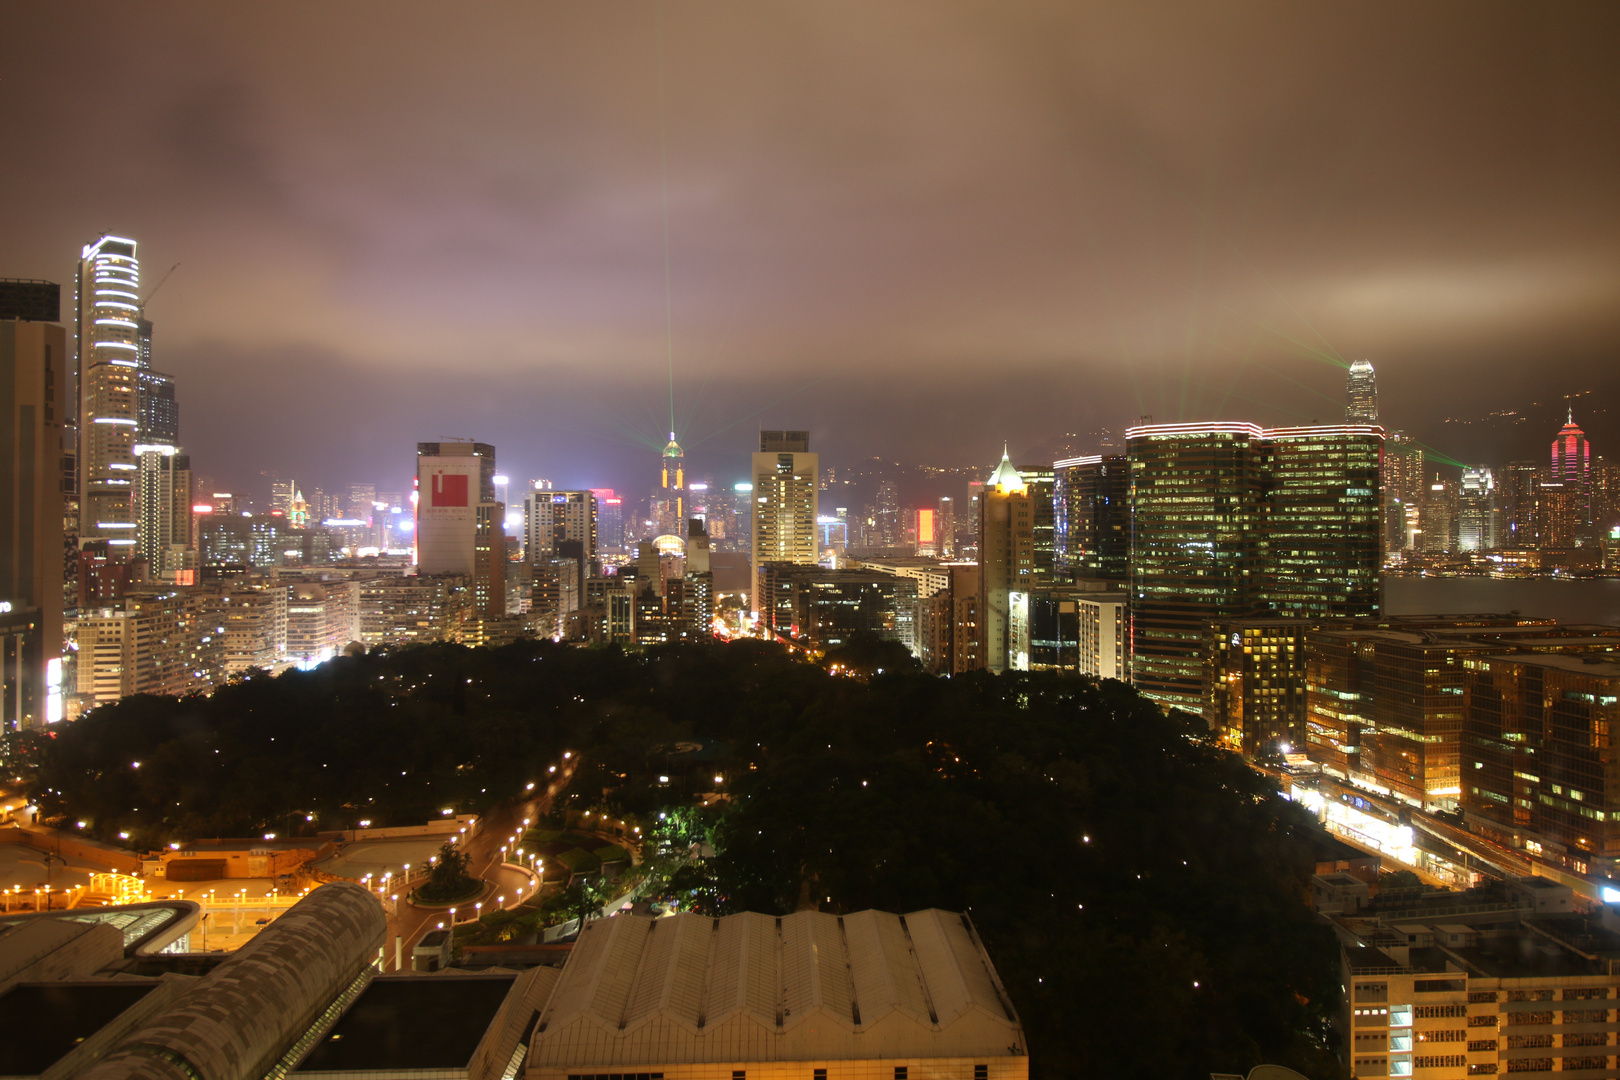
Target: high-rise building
[(489, 560), (945, 528), (1476, 510), (609, 520), (33, 402), (1042, 482), (1402, 492), (163, 509), (1006, 568), (1520, 493), (1437, 517), (887, 515), (1361, 392), (786, 494), (552, 518), (1568, 489), (1193, 561), (1320, 554), (108, 341), (1230, 521), (1091, 517), (452, 479), (669, 502)]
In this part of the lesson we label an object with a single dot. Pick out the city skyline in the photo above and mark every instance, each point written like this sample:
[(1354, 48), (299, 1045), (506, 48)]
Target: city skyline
[(1120, 215)]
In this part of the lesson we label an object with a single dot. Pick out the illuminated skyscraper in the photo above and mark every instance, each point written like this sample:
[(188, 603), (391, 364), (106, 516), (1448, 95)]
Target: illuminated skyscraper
[(1231, 521), (1092, 521), (1362, 394), (163, 509), (670, 512), (1476, 510), (1567, 494), (1006, 568), (108, 342), (786, 501)]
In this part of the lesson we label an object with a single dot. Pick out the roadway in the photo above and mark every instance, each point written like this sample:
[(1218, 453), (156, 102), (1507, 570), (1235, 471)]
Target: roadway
[(495, 830)]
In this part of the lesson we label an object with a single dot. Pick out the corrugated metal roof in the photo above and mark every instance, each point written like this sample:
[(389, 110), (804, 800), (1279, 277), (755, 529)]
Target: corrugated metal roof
[(749, 987)]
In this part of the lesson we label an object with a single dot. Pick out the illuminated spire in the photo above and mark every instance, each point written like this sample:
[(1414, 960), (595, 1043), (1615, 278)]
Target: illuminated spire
[(1006, 479)]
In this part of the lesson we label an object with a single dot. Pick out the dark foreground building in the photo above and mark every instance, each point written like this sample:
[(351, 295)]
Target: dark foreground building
[(103, 994)]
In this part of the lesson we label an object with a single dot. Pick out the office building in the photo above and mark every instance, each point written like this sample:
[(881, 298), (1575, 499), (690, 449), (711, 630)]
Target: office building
[(1006, 568), (1476, 510), (609, 520), (1402, 478), (1519, 492), (1255, 686), (1320, 554), (669, 501), (1567, 492), (121, 401), (33, 400), (163, 510), (1091, 518), (1041, 482), (1361, 395), (786, 501), (1230, 522), (452, 479), (827, 608), (1536, 747), (1193, 559), (562, 524), (1077, 630), (945, 528), (1387, 701), (489, 560)]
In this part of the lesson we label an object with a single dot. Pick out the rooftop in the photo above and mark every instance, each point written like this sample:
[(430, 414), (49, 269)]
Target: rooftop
[(42, 1022), (406, 1022), (750, 987)]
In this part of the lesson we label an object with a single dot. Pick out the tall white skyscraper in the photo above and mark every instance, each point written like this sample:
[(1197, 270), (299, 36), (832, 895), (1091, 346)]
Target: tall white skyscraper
[(1362, 394), (107, 340), (786, 501)]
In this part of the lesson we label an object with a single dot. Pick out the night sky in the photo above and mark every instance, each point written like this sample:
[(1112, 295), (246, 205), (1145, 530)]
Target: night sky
[(916, 228)]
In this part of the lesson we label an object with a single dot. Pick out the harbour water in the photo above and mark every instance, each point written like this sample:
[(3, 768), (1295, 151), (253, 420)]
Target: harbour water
[(1590, 600)]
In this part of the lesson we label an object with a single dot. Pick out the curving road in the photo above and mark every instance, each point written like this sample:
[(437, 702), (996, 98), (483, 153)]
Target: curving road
[(495, 829)]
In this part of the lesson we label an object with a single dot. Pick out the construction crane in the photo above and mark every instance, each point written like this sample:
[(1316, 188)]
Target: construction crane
[(161, 282)]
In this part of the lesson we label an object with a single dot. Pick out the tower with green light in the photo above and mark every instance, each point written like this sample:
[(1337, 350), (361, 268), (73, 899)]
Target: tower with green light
[(671, 513)]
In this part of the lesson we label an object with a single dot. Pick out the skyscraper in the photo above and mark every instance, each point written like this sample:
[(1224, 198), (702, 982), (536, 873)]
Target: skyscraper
[(1006, 568), (108, 342), (1476, 510), (1361, 406), (1319, 521), (1193, 563), (33, 398), (787, 499), (1091, 517), (670, 511), (1567, 493), (162, 507), (452, 480), (1402, 491), (1230, 521)]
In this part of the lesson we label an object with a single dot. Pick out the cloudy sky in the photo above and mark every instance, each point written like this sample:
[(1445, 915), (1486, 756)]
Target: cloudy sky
[(916, 228)]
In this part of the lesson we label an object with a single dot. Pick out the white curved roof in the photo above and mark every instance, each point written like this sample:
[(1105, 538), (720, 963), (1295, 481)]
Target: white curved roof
[(805, 987)]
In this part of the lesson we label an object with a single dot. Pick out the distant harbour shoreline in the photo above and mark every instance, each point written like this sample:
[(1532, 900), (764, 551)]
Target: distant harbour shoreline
[(1569, 600)]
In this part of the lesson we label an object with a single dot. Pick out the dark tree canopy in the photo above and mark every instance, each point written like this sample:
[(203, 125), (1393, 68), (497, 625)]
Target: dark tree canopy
[(1141, 892)]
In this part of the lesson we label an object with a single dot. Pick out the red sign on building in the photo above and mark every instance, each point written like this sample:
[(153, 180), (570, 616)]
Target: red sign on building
[(449, 489)]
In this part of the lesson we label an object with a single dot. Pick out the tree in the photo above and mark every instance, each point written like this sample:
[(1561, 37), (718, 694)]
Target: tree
[(449, 879)]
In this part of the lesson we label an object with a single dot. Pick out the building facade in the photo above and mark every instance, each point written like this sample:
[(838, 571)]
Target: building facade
[(786, 494)]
